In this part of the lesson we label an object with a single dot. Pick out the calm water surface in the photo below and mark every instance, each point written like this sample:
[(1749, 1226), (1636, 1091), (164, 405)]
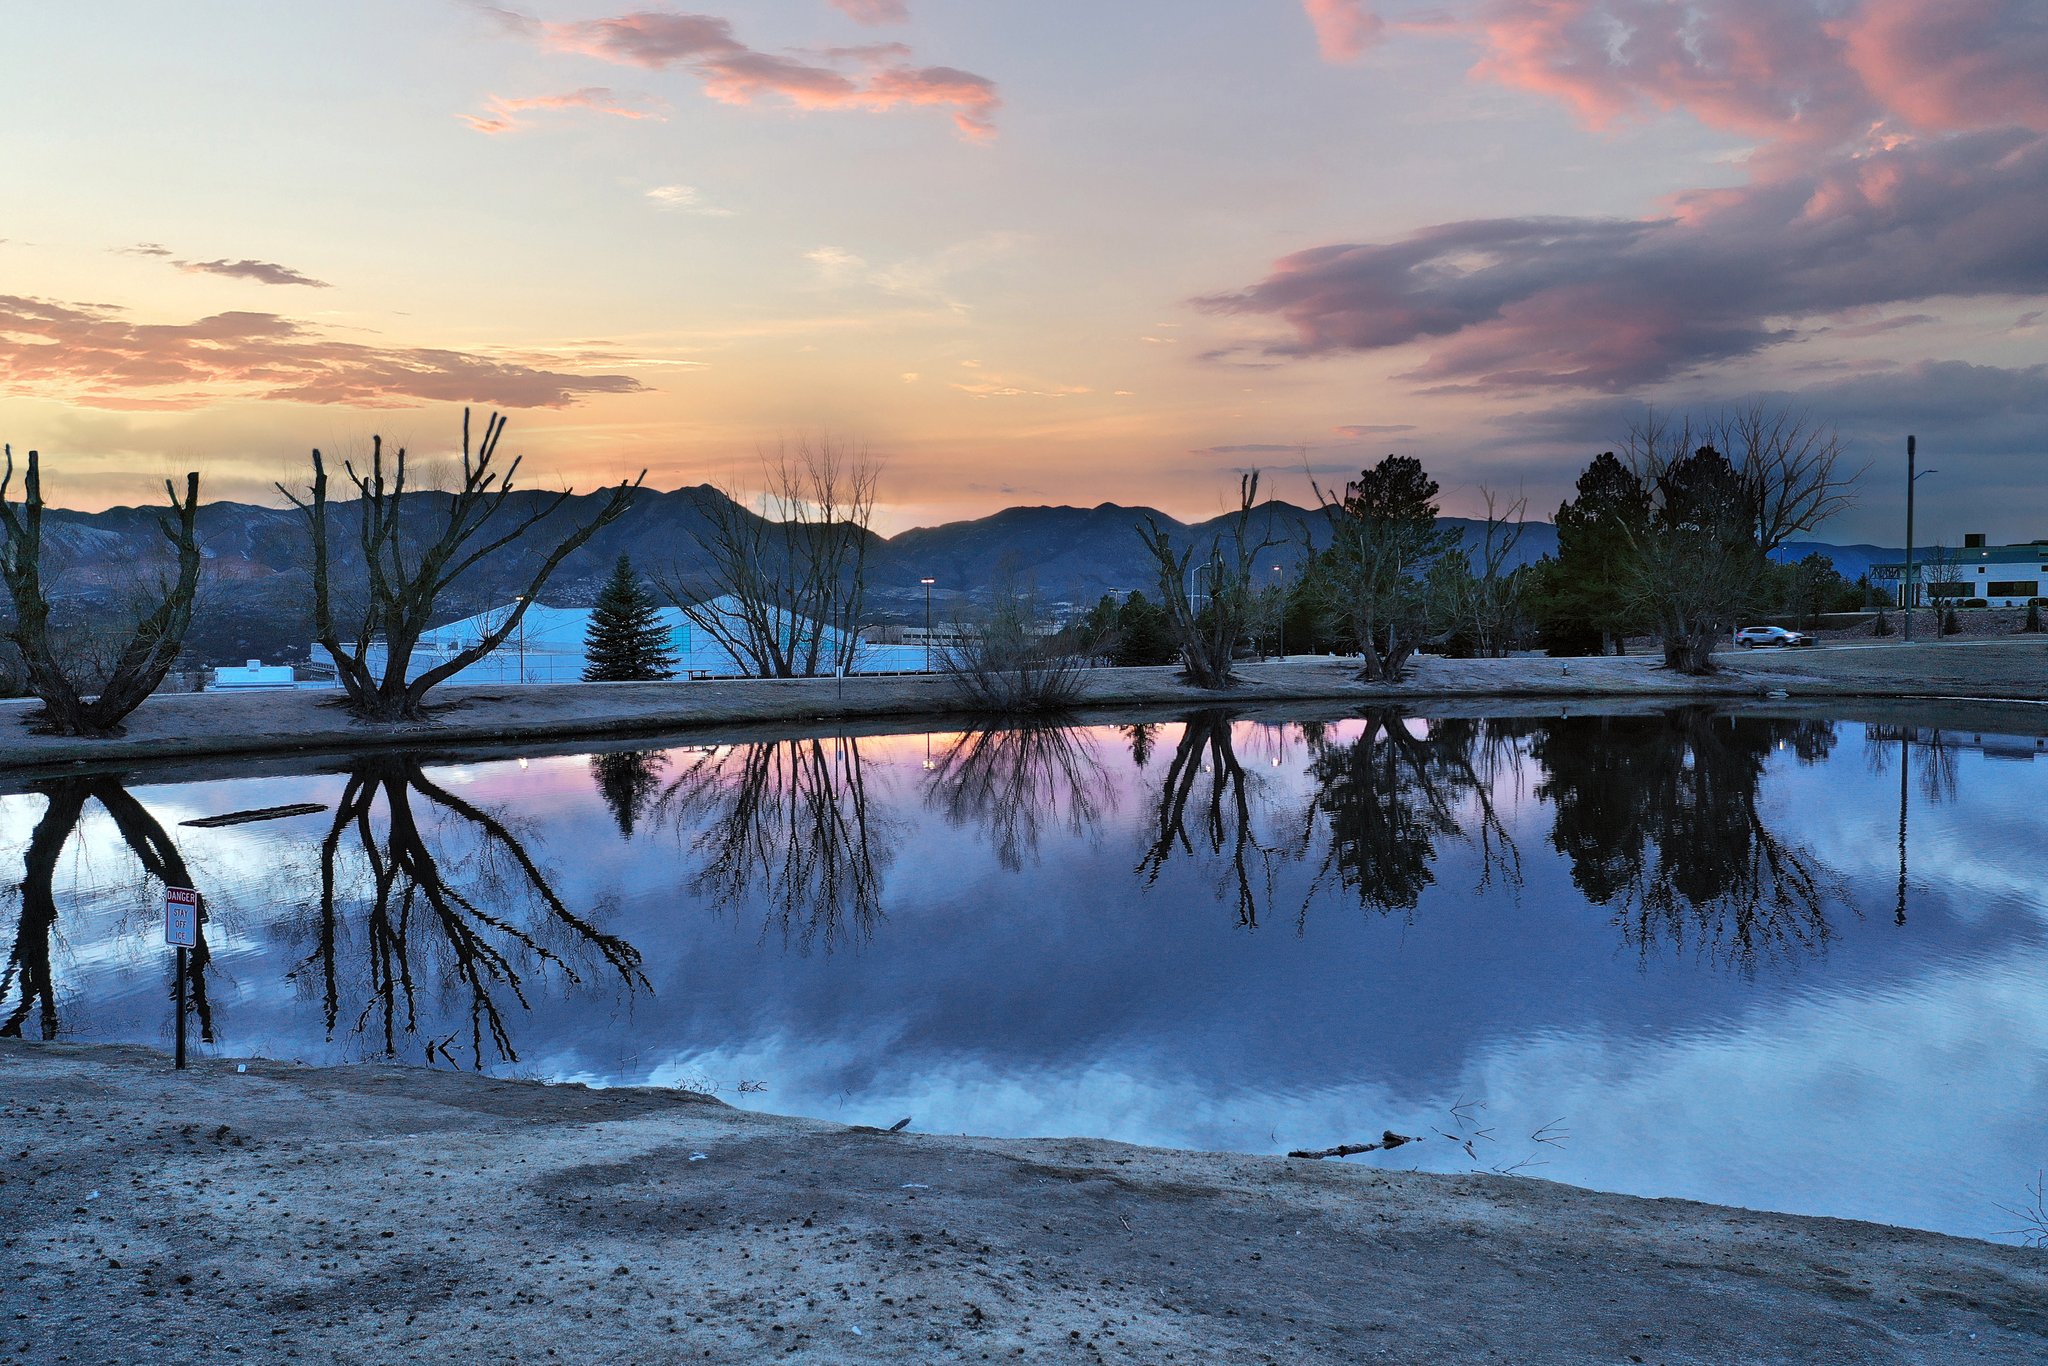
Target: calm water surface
[(1680, 954)]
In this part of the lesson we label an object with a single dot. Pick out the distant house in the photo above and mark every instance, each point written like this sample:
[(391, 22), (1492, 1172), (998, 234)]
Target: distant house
[(548, 647), (254, 674), (2002, 575)]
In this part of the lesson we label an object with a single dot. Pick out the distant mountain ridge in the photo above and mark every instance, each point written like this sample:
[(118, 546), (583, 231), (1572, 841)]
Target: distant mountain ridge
[(257, 583)]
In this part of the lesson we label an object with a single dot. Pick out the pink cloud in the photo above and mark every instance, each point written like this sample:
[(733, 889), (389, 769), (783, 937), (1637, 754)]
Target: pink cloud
[(1344, 28), (871, 78), (1803, 73), (874, 11), (94, 355), (1953, 64), (503, 112)]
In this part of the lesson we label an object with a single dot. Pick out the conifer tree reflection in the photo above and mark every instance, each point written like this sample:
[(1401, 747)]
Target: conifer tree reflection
[(1222, 824), (1660, 818), (475, 921), (785, 825), (1390, 796), (629, 781), (1014, 781), (28, 968)]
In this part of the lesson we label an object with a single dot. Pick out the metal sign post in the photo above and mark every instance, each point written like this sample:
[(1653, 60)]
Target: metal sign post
[(181, 931)]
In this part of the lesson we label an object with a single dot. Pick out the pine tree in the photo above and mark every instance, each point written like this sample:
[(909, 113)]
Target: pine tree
[(626, 642)]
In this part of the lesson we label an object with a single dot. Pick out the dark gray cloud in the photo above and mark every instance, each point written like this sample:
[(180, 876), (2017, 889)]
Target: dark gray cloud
[(1522, 303), (262, 272)]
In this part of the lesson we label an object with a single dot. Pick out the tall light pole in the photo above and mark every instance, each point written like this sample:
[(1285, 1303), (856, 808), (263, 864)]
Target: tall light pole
[(1281, 618), (927, 623), (1906, 582), (521, 609)]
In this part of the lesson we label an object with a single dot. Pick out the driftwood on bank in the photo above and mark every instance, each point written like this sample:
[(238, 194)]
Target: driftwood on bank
[(1388, 1139)]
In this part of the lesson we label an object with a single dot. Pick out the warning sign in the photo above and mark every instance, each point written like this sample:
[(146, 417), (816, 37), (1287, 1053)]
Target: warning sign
[(181, 917)]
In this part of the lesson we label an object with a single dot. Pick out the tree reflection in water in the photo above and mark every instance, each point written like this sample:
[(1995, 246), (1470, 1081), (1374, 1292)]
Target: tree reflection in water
[(1660, 819), (474, 921), (1222, 825), (1389, 796), (786, 825), (629, 781), (28, 967), (1014, 781)]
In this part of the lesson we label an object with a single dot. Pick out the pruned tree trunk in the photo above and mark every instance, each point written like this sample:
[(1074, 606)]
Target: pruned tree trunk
[(73, 706), (1208, 638), (405, 576)]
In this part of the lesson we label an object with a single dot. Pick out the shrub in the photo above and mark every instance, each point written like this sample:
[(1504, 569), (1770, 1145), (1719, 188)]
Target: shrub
[(1949, 625), (1008, 668), (1883, 625), (2032, 625)]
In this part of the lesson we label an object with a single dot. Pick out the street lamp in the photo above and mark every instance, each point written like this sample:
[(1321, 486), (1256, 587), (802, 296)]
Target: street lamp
[(1281, 629), (521, 610), (927, 624), (1906, 581)]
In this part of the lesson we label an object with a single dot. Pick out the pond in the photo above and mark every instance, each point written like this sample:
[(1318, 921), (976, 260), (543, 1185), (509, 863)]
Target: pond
[(1780, 962)]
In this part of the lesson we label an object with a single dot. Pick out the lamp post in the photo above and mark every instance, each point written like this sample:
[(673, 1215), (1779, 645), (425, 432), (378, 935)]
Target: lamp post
[(1906, 581), (520, 598), (1280, 629), (927, 625)]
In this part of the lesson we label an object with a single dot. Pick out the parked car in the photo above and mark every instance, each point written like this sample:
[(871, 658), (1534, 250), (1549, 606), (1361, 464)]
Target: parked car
[(1750, 637)]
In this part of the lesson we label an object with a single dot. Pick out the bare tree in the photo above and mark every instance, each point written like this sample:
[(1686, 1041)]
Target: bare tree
[(1792, 465), (1475, 592), (1007, 665), (138, 668), (1209, 635), (1724, 494), (788, 582), (406, 572)]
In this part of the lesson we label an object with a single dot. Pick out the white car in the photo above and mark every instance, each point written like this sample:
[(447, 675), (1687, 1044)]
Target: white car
[(1750, 637)]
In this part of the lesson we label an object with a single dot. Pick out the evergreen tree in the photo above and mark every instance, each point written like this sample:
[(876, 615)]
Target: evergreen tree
[(1144, 635), (1585, 595), (626, 642)]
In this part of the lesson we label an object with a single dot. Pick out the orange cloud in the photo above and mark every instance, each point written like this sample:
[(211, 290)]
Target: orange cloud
[(95, 356), (1344, 28), (503, 113)]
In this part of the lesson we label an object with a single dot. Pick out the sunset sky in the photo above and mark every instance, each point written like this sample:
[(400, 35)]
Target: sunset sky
[(1028, 251)]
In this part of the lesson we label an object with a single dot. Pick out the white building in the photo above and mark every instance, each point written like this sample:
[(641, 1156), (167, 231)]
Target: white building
[(548, 647), (254, 674)]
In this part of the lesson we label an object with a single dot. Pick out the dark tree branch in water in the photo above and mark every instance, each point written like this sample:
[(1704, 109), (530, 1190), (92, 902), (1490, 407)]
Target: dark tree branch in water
[(785, 825), (1012, 780), (411, 905), (29, 959), (1661, 820), (1389, 796), (1223, 820)]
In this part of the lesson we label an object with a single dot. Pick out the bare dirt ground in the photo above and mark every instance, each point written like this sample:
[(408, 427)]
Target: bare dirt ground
[(198, 724), (377, 1214)]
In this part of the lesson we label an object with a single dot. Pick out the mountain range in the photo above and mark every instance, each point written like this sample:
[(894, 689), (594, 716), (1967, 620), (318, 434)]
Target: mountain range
[(256, 587)]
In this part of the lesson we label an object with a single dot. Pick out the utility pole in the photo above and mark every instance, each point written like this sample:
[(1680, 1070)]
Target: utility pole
[(1906, 583)]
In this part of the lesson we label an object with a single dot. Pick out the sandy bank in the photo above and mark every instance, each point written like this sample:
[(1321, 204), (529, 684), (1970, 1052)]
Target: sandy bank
[(380, 1214), (194, 725)]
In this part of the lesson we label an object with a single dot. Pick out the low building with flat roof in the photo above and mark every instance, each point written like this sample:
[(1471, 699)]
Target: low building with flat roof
[(2002, 575)]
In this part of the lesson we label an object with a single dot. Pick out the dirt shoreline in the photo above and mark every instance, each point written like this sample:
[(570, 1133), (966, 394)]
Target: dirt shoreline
[(383, 1214), (203, 724)]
